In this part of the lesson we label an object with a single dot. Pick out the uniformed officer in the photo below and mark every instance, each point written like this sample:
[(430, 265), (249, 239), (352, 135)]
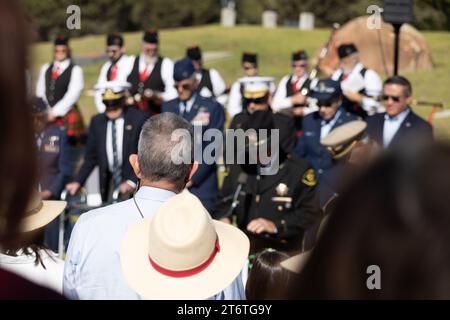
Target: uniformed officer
[(210, 82), (151, 76), (204, 113), (116, 69), (112, 138), (317, 125), (361, 86), (60, 84), (250, 68), (274, 209), (54, 162)]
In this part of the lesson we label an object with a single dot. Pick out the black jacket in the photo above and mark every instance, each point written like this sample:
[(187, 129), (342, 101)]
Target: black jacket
[(95, 154)]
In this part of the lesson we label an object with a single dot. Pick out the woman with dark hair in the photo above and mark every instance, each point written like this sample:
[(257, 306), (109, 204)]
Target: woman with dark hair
[(17, 152), (388, 236), (266, 278)]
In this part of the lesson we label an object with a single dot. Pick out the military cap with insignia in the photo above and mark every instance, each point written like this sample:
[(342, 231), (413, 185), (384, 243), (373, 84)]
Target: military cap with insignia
[(250, 57), (114, 39), (151, 36), (346, 49), (299, 55), (61, 40), (326, 90), (113, 95), (341, 140), (194, 53), (256, 87), (183, 69)]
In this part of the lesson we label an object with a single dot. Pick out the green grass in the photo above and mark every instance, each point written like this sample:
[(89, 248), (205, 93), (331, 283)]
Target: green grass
[(274, 47)]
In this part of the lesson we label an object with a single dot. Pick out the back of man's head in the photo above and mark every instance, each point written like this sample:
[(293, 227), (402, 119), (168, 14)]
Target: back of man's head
[(158, 142)]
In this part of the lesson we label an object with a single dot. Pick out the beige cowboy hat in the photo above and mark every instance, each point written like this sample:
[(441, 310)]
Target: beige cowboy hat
[(342, 140), (296, 263), (41, 212), (181, 253)]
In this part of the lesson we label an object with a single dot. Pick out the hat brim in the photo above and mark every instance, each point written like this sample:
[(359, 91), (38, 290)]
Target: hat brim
[(150, 284), (296, 263), (49, 211)]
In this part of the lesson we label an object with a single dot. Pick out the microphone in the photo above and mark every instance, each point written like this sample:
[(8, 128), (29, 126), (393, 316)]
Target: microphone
[(242, 180)]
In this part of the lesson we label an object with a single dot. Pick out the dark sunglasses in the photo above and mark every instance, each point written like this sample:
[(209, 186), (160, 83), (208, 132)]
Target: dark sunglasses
[(113, 51), (261, 100), (299, 65), (185, 86), (325, 104), (394, 98)]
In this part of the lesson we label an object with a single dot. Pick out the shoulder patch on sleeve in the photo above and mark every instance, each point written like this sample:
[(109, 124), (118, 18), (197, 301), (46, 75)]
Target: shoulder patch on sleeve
[(309, 178)]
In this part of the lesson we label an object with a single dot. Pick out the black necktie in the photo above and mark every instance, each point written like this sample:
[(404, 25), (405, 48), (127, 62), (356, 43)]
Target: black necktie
[(184, 108), (117, 171)]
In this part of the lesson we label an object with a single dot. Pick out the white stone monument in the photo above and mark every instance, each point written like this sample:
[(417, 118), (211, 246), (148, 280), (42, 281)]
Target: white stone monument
[(269, 19), (306, 21), (228, 17)]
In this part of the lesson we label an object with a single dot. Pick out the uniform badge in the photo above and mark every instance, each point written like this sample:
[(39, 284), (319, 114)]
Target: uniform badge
[(282, 190), (309, 178), (408, 124), (202, 117), (52, 145), (129, 127)]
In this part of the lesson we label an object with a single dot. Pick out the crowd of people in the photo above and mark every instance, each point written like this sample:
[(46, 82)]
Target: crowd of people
[(346, 150)]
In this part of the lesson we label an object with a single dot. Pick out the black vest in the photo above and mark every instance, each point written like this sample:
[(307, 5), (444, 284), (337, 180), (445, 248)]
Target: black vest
[(289, 89), (56, 89), (353, 107), (206, 82), (154, 80)]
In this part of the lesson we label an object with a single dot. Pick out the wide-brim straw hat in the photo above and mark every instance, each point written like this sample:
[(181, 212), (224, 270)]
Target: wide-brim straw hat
[(41, 212)]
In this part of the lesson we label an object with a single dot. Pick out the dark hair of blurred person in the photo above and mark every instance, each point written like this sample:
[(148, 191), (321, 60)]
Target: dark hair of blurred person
[(267, 279), (17, 152), (395, 216)]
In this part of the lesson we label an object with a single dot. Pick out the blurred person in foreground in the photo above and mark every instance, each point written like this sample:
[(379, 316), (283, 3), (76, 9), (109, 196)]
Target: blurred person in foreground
[(17, 152), (394, 218)]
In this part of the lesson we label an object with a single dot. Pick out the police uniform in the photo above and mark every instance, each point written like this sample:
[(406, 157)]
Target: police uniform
[(54, 166), (60, 85), (361, 80), (210, 82), (287, 198), (205, 113), (315, 128), (111, 142), (235, 100), (113, 70), (148, 79)]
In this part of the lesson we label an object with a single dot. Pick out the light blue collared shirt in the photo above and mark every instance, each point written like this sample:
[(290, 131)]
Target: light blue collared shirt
[(391, 126), (92, 269), (326, 126)]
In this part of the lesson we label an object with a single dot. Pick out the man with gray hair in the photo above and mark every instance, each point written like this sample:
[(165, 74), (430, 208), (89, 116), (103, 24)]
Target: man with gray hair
[(92, 269)]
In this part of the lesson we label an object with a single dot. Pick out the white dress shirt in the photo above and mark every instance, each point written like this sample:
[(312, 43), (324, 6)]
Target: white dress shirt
[(391, 126), (119, 142), (93, 270), (218, 84), (186, 107), (235, 99), (326, 126), (372, 85), (124, 67), (74, 90), (166, 74), (50, 277)]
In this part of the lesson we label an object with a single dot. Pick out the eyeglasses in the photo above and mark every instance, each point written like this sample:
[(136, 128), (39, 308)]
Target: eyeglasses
[(299, 65), (326, 104), (249, 67), (113, 51), (184, 86), (394, 98), (261, 100)]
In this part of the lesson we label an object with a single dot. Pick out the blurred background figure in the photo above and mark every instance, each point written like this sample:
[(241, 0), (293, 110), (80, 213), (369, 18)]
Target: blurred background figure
[(267, 279), (361, 86), (210, 82), (29, 257), (399, 124), (112, 138), (17, 149), (54, 162), (250, 68), (151, 76), (117, 68), (204, 114), (398, 224)]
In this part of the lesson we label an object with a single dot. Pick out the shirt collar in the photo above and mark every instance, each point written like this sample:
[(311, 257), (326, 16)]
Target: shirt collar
[(335, 117), (152, 193), (62, 64), (400, 117)]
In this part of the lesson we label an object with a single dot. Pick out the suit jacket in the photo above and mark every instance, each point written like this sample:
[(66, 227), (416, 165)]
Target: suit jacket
[(204, 181), (412, 127), (54, 160), (308, 145), (95, 154)]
